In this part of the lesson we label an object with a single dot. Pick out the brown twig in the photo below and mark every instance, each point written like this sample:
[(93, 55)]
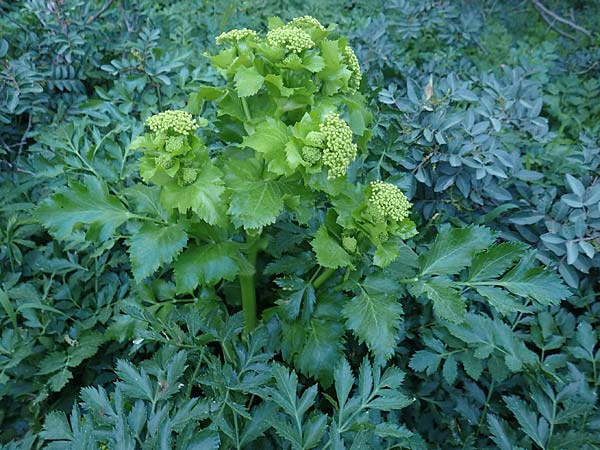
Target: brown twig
[(101, 11), (547, 14)]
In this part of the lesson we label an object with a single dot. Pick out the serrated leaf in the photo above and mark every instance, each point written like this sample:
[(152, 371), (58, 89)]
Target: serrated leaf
[(247, 81), (450, 370), (501, 300), (204, 196), (425, 360), (447, 301), (270, 139), (255, 200), (453, 250), (56, 427), (205, 265), (537, 283), (83, 204), (329, 253), (154, 246), (495, 261), (375, 319)]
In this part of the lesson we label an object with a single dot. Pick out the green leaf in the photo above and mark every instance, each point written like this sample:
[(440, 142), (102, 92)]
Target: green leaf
[(447, 301), (538, 283), (56, 427), (204, 196), (329, 253), (501, 300), (453, 250), (375, 319), (8, 308), (255, 201), (495, 261), (527, 419), (59, 379), (83, 204), (450, 370), (205, 265), (153, 246), (270, 139), (425, 360), (247, 81)]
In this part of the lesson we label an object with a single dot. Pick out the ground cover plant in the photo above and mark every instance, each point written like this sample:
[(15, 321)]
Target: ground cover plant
[(232, 225)]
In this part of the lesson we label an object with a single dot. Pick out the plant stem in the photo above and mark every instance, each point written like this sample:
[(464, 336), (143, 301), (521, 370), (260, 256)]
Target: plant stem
[(323, 278), (248, 288)]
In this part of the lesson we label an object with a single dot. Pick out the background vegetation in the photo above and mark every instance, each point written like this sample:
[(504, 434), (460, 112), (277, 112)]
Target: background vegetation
[(485, 113)]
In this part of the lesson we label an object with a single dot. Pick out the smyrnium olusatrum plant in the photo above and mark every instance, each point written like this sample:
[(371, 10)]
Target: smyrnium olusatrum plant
[(263, 194)]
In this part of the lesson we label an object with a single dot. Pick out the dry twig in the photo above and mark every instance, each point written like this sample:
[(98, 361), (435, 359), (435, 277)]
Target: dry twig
[(547, 15)]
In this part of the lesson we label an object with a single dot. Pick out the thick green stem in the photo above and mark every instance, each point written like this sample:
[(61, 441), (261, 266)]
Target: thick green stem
[(248, 288), (323, 278)]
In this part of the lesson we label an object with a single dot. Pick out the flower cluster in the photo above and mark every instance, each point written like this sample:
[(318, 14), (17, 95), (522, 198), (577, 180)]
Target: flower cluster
[(339, 149), (178, 122), (234, 36), (386, 201), (306, 22), (292, 38), (352, 63)]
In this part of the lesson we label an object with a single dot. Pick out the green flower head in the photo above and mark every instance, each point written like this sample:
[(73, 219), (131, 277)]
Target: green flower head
[(234, 36), (305, 22), (177, 122), (352, 63), (312, 155), (339, 149), (292, 38), (188, 176), (349, 243), (386, 201)]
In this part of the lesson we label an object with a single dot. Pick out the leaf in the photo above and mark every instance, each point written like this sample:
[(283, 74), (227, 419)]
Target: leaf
[(527, 419), (83, 204), (329, 253), (154, 246), (425, 360), (56, 427), (576, 186), (495, 261), (255, 201), (501, 300), (247, 81), (447, 301), (453, 249), (204, 196), (134, 383), (270, 139), (8, 308), (375, 319), (450, 370), (205, 265), (537, 283)]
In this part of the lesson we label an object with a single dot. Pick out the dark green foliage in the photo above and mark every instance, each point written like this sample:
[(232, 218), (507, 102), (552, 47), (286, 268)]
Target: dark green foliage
[(119, 323)]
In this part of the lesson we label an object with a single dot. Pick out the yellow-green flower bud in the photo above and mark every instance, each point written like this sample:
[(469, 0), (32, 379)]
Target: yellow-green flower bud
[(312, 155), (292, 38), (234, 36), (178, 122), (164, 161), (174, 144), (306, 22), (315, 139), (352, 63), (188, 176), (339, 149), (349, 243), (386, 201)]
